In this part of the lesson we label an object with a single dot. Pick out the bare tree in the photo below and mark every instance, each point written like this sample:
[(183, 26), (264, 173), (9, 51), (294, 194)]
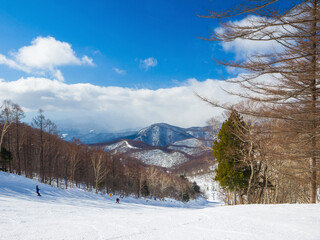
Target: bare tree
[(51, 151), (284, 78), (7, 118), (40, 122), (18, 114), (153, 179), (74, 158), (98, 162)]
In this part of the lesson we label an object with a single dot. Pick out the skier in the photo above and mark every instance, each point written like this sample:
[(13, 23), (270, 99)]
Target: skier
[(117, 201), (37, 188)]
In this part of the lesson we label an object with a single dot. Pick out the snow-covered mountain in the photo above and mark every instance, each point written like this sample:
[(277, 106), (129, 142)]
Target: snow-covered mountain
[(159, 134), (145, 147), (164, 145), (162, 134), (160, 144)]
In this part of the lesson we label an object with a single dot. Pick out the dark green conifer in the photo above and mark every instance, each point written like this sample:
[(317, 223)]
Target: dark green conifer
[(229, 151)]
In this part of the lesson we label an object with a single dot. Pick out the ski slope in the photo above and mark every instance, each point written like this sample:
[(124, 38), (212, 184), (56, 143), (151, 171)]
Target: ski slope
[(76, 214)]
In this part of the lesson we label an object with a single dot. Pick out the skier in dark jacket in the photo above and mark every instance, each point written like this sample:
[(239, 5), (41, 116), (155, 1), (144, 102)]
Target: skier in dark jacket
[(118, 200), (37, 188)]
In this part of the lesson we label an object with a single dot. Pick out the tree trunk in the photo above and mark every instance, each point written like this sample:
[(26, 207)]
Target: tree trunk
[(313, 180), (313, 171), (18, 148)]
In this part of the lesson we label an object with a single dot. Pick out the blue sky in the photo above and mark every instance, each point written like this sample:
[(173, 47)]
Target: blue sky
[(117, 34), (115, 64)]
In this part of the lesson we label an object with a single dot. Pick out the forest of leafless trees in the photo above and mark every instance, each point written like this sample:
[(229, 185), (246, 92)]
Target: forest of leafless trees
[(37, 151), (281, 89)]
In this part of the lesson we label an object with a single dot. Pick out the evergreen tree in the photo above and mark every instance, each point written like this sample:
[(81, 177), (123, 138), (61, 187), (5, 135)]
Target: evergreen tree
[(232, 173), (196, 187)]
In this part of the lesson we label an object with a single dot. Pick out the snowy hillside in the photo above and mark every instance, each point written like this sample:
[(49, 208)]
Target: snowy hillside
[(119, 147), (187, 150), (149, 155), (160, 158), (74, 214), (190, 142), (191, 146), (208, 187)]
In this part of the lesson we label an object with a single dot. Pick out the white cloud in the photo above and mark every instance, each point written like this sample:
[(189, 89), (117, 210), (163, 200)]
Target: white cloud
[(116, 108), (85, 60), (119, 71), (243, 47), (147, 63), (44, 55), (13, 64), (57, 74)]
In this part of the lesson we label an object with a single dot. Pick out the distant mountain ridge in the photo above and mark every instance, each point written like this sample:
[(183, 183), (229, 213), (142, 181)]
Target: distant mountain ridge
[(159, 134), (92, 136), (164, 145)]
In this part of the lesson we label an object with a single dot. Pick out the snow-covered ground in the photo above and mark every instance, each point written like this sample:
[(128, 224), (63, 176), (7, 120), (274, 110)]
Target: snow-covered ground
[(75, 214)]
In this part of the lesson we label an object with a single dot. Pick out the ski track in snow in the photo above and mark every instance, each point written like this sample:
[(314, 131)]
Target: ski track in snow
[(75, 214)]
